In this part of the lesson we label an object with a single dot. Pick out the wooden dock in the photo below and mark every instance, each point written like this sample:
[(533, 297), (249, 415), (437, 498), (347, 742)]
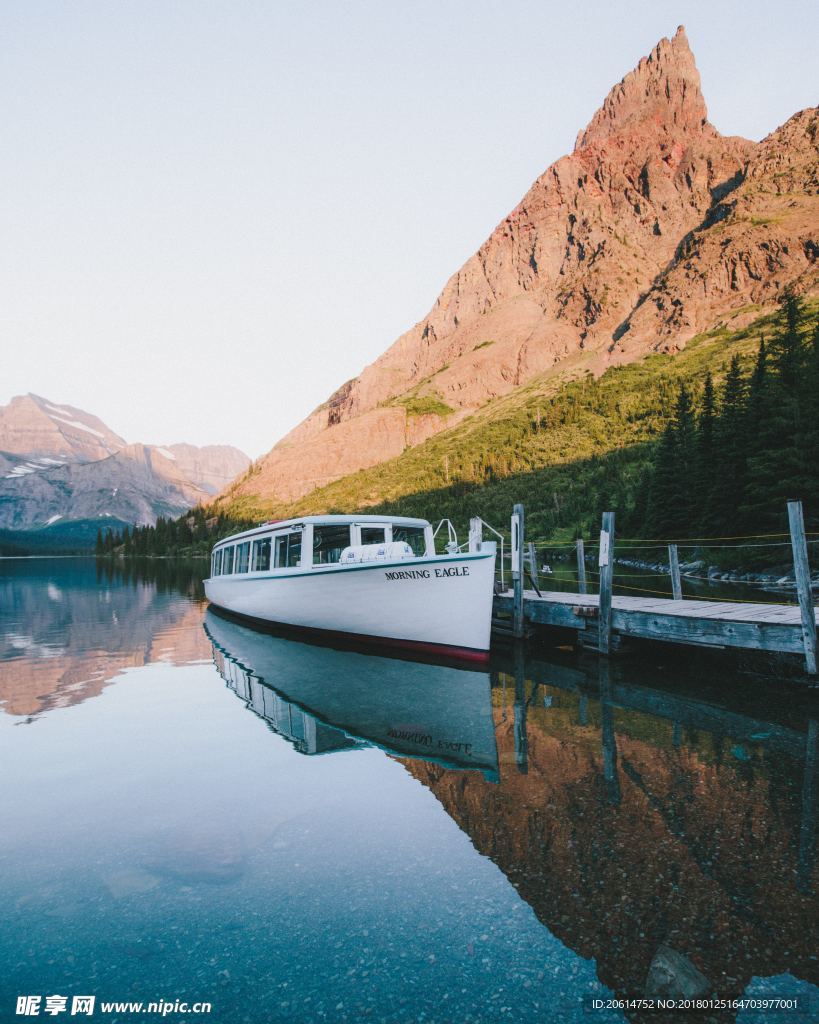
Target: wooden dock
[(602, 621), (762, 627)]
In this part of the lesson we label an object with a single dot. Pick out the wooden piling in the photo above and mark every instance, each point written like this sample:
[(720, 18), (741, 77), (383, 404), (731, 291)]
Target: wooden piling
[(674, 566), (581, 567), (475, 533), (533, 571), (518, 533), (801, 569), (606, 566)]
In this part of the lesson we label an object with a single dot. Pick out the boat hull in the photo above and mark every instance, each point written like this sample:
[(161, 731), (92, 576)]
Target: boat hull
[(441, 604)]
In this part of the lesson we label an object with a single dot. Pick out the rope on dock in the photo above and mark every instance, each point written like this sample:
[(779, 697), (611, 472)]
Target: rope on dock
[(711, 600), (660, 541)]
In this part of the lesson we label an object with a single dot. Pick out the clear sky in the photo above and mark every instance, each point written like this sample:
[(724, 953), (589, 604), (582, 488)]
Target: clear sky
[(214, 213)]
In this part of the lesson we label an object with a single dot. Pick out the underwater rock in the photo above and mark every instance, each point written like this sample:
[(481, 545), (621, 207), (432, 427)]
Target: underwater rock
[(673, 975), (191, 858), (128, 882)]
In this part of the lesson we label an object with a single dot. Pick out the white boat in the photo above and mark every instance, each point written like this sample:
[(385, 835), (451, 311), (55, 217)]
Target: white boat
[(376, 578)]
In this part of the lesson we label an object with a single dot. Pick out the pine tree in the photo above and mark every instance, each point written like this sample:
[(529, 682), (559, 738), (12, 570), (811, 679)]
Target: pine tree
[(662, 487), (775, 421), (807, 440), (787, 353), (671, 501), (705, 480), (686, 467), (729, 460)]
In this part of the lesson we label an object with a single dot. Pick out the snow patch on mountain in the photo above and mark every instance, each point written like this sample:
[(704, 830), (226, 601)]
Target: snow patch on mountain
[(78, 426)]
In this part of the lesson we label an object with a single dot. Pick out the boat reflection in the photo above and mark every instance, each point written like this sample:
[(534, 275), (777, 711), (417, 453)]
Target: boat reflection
[(323, 699)]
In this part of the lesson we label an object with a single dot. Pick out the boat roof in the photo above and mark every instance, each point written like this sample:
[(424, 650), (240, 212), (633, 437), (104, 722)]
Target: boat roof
[(329, 520)]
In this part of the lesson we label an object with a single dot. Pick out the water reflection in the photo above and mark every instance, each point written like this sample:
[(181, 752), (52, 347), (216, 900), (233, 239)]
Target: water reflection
[(324, 699), (649, 820), (650, 829), (70, 626), (634, 821)]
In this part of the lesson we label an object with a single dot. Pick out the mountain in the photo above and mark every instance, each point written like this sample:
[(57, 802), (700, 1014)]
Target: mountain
[(42, 433), (211, 468), (654, 230), (58, 463)]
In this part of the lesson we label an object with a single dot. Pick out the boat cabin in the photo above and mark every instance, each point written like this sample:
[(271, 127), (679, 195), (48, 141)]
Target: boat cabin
[(317, 541)]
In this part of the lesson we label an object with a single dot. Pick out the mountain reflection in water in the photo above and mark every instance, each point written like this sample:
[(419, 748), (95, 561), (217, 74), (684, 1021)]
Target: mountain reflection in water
[(632, 808), (631, 820), (69, 626)]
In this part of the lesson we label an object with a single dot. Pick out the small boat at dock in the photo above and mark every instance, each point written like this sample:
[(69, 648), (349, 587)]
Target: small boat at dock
[(373, 578)]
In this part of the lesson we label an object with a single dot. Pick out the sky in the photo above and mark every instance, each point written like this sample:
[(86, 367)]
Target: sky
[(214, 213)]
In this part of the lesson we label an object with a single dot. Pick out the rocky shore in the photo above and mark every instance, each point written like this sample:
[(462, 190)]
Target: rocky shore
[(777, 580)]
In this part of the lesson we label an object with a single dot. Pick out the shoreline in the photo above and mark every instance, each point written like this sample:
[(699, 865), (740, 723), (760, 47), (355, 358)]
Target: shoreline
[(697, 570)]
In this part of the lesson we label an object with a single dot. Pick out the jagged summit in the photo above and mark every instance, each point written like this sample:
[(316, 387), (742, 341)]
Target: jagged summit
[(662, 93), (652, 230)]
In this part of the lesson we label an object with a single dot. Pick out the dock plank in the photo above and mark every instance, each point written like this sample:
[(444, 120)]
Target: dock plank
[(767, 627)]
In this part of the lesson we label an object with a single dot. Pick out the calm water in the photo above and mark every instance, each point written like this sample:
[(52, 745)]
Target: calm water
[(195, 811)]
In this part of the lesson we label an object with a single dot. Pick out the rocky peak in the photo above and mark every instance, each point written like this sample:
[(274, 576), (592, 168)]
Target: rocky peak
[(31, 425), (663, 92), (617, 249)]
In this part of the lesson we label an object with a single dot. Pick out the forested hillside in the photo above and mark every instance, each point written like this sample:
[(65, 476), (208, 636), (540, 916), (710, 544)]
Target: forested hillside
[(708, 442)]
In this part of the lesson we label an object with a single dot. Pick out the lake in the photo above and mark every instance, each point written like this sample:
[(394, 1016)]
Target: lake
[(196, 812)]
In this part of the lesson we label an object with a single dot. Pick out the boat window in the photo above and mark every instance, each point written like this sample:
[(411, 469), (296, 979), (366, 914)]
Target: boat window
[(216, 563), (261, 555), (329, 542), (288, 549), (412, 535), (227, 561), (372, 535), (242, 557)]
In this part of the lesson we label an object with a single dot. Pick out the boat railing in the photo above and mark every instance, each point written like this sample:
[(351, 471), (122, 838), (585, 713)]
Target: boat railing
[(452, 536), (453, 546), (481, 523)]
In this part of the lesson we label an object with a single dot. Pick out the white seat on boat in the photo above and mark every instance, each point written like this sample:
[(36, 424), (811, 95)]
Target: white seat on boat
[(393, 552)]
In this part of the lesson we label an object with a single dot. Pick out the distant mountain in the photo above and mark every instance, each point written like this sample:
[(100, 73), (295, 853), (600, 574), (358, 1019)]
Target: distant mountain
[(654, 230), (212, 467), (58, 463), (42, 434)]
